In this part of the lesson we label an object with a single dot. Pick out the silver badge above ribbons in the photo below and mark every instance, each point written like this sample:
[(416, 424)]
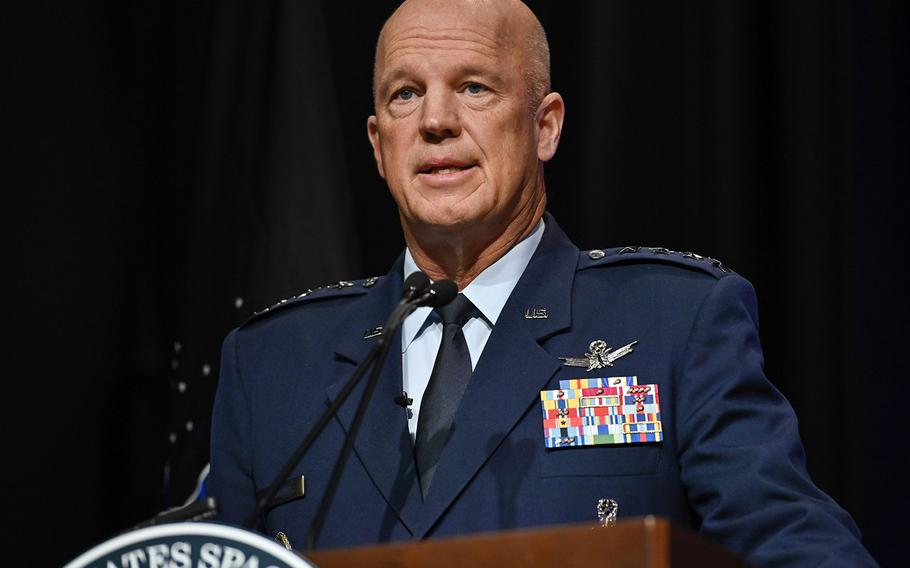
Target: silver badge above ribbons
[(598, 355)]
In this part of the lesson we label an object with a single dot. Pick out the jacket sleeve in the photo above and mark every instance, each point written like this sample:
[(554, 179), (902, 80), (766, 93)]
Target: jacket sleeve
[(230, 479), (742, 461)]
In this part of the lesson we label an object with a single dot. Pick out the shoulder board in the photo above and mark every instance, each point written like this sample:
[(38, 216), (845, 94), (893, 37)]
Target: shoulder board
[(339, 289), (601, 257)]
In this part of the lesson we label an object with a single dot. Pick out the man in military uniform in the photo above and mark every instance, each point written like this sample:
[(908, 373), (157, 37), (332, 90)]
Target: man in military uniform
[(464, 121)]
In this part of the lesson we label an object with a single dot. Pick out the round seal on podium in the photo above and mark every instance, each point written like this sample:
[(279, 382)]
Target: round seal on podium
[(190, 545)]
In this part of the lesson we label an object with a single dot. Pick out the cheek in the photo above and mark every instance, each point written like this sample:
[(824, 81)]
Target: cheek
[(399, 177), (394, 158), (514, 153), (397, 142)]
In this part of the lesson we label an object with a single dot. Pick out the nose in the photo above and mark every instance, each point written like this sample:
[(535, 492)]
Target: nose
[(439, 116)]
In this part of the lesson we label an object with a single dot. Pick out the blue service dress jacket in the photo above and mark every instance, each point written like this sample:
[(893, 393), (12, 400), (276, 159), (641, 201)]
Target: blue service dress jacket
[(730, 466)]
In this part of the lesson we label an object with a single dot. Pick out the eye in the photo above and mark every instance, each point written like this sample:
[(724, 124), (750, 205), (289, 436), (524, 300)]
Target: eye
[(475, 88), (404, 95)]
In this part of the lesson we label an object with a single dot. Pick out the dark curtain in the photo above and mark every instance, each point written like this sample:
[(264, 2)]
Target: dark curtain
[(171, 167)]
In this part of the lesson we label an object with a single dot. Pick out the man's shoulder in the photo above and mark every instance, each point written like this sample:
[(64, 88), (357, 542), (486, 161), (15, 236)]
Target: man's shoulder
[(658, 280), (649, 256), (329, 295)]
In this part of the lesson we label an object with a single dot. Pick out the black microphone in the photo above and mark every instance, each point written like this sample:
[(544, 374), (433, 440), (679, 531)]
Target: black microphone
[(416, 291), (415, 283), (416, 287), (439, 293)]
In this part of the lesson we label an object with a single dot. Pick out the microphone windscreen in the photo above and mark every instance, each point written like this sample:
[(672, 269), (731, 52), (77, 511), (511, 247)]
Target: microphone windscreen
[(416, 282), (441, 293)]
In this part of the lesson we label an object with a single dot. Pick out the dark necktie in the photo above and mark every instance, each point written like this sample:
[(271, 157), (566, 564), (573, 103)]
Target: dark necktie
[(450, 376)]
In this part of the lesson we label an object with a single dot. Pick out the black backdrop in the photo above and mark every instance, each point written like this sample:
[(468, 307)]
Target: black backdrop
[(170, 167)]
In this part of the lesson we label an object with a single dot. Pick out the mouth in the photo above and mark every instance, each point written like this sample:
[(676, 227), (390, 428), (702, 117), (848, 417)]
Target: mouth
[(444, 170), (443, 167)]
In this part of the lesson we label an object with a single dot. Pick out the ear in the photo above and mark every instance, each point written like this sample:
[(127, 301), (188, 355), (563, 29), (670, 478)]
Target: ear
[(549, 117), (376, 142)]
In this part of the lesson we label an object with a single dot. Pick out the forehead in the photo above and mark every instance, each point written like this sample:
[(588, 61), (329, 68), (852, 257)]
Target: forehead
[(466, 38), (419, 39)]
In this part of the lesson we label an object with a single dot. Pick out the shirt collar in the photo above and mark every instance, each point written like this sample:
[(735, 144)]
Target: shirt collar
[(488, 291)]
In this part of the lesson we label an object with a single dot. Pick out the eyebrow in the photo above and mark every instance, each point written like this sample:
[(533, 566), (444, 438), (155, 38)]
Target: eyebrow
[(495, 77), (391, 77)]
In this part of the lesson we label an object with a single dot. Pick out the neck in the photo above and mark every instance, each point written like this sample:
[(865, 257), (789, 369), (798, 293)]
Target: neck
[(460, 256)]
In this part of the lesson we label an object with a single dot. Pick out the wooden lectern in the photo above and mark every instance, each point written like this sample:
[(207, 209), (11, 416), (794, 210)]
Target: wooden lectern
[(637, 543)]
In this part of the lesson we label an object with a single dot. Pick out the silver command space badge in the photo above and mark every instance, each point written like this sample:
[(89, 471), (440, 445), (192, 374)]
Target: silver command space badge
[(598, 355)]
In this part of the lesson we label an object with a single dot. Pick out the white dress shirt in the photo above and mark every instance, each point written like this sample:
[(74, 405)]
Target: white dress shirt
[(422, 330)]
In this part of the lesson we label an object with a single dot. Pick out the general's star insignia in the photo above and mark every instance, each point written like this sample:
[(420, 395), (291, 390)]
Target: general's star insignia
[(598, 355)]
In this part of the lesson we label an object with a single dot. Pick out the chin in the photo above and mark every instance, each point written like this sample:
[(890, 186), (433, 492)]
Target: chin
[(446, 223), (448, 211), (443, 223)]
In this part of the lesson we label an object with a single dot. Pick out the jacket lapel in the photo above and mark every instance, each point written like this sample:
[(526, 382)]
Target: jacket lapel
[(510, 373), (383, 444)]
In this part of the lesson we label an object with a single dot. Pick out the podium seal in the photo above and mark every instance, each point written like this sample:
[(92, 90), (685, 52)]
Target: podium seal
[(190, 545)]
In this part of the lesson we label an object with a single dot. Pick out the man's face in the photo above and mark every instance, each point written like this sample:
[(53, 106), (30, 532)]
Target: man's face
[(454, 135)]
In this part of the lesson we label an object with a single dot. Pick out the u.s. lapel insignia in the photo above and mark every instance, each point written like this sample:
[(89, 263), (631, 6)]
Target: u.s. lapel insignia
[(595, 411), (598, 355), (371, 333), (536, 313)]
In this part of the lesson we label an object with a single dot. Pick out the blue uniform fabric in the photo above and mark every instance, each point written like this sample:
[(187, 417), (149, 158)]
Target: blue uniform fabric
[(731, 465)]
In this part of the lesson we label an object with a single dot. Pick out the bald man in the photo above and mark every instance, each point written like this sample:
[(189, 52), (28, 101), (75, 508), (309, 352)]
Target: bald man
[(673, 415)]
